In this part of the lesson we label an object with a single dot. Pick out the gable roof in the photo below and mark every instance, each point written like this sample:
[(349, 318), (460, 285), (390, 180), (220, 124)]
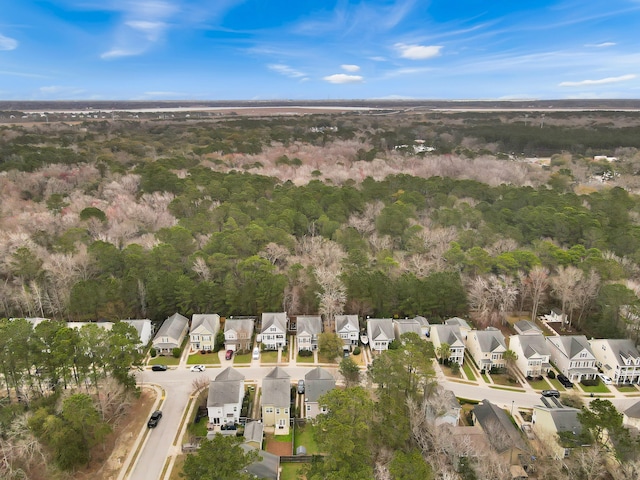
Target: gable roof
[(496, 423), (633, 411), (570, 345), (380, 328), (309, 324), (317, 382), (449, 334), (565, 419), (173, 326), (621, 349), (347, 323), (490, 340), (226, 388), (209, 322), (276, 388), (239, 324), (526, 327), (457, 321), (407, 325), (532, 345), (277, 319)]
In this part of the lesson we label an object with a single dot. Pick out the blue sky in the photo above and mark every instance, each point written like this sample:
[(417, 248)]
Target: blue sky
[(315, 49)]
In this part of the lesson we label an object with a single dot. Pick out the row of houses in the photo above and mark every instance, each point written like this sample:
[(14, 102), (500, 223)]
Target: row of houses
[(227, 390), (573, 355)]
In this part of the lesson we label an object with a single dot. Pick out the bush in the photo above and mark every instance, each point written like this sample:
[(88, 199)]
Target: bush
[(153, 352), (455, 368), (356, 351), (176, 352), (590, 382), (551, 374), (305, 353)]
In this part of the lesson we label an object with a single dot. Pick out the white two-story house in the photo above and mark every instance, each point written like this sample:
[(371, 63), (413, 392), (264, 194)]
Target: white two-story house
[(274, 330), (204, 328), (487, 348), (533, 354), (309, 327), (380, 333), (572, 355), (450, 335), (348, 328), (224, 402), (619, 359)]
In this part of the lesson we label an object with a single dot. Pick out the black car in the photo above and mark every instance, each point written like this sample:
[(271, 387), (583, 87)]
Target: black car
[(159, 368), (154, 419), (566, 383), (550, 393)]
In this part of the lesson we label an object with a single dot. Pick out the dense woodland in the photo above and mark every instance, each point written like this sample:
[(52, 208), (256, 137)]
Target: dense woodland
[(329, 214)]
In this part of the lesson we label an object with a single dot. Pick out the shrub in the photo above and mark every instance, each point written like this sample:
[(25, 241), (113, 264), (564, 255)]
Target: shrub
[(356, 351), (153, 352), (590, 382), (176, 352), (551, 374), (305, 353), (455, 368)]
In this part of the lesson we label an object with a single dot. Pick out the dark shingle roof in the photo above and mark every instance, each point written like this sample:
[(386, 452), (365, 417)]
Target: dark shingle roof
[(317, 382), (276, 388), (226, 388)]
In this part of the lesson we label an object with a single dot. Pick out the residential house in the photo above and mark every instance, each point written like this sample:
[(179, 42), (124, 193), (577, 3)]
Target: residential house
[(224, 402), (449, 334), (348, 328), (274, 330), (532, 354), (266, 467), (309, 327), (526, 327), (145, 330), (407, 325), (238, 333), (553, 418), (504, 437), (631, 416), (449, 409), (461, 323), (619, 359), (204, 328), (276, 401), (424, 325), (555, 315), (380, 333), (487, 348), (171, 334), (317, 382), (572, 355), (253, 434)]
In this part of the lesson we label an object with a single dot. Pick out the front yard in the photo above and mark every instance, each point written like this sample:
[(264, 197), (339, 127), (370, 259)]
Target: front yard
[(270, 356), (210, 358), (599, 388), (241, 358), (164, 360)]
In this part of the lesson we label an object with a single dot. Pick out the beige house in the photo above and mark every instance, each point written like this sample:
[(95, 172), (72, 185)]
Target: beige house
[(238, 333), (276, 401), (631, 416), (317, 382), (449, 334), (171, 334), (572, 355), (618, 359), (532, 352), (487, 348), (204, 328), (553, 418)]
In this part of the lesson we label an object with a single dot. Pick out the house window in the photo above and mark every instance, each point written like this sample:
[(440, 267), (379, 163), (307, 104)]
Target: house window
[(308, 408), (277, 411), (268, 410)]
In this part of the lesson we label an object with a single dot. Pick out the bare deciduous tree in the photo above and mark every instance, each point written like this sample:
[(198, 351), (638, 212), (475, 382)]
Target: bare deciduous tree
[(563, 285)]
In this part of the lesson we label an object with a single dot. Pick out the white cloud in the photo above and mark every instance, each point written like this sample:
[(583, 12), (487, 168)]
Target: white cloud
[(119, 52), (378, 59), (7, 43), (152, 30), (343, 78), (286, 70), (350, 68), (601, 45), (418, 52), (601, 81)]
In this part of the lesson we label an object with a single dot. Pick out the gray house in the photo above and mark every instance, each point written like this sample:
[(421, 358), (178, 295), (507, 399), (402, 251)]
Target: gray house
[(224, 402), (317, 382), (407, 325), (572, 355), (309, 328), (171, 334), (380, 333)]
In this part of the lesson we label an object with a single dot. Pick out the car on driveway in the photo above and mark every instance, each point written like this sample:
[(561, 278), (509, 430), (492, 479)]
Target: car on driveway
[(154, 419), (300, 386), (550, 393), (604, 379), (229, 355), (198, 368), (159, 368), (566, 383), (256, 354)]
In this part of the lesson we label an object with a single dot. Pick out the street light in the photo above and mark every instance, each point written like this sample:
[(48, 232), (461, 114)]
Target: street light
[(512, 402)]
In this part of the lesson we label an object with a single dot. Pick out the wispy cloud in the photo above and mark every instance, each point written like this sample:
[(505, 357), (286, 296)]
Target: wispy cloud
[(286, 70), (601, 45), (406, 71), (343, 78), (21, 74), (350, 68), (418, 52), (601, 81), (61, 91), (7, 43)]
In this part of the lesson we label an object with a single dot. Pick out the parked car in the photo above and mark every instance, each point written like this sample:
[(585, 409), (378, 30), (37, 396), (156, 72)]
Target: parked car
[(229, 355), (159, 368), (565, 381), (154, 419), (550, 393), (301, 386), (256, 354), (604, 379), (198, 368)]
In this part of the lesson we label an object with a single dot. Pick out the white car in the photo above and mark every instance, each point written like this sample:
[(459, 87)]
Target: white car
[(606, 380), (256, 354), (198, 368)]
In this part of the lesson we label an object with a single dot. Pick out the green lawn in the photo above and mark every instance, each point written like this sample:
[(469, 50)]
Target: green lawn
[(242, 358), (269, 356), (627, 389), (206, 359), (300, 359), (507, 389), (502, 379), (539, 384), (324, 359), (485, 377), (557, 385), (600, 388), (160, 360), (290, 471), (469, 371), (304, 436)]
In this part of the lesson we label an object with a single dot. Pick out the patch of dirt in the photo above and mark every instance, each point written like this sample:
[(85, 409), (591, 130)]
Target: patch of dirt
[(107, 459), (278, 448)]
